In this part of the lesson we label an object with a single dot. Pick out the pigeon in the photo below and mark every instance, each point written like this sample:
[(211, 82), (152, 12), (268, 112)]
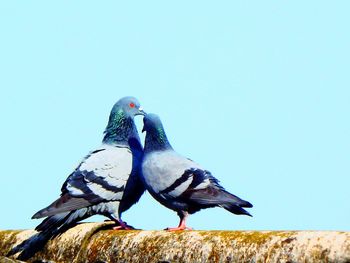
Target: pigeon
[(106, 182), (179, 183)]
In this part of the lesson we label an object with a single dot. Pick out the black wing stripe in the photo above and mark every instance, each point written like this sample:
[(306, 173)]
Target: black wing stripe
[(198, 177), (187, 174), (96, 151), (79, 182), (92, 177)]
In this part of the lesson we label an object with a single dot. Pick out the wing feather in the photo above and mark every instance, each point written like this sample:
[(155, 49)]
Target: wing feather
[(101, 177)]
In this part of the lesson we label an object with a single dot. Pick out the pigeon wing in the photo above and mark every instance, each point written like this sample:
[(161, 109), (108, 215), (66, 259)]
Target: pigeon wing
[(100, 177), (205, 189), (199, 188)]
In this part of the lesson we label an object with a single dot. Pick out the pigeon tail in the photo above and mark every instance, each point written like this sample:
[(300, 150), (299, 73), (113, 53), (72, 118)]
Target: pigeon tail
[(63, 204), (226, 196), (236, 204), (213, 196), (30, 246), (235, 209), (51, 223), (51, 227), (238, 201)]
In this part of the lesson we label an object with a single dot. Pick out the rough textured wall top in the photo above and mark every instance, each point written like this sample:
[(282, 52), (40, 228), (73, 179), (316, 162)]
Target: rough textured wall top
[(94, 242)]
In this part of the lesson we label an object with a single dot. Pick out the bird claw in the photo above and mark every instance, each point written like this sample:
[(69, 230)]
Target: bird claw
[(178, 228), (123, 226)]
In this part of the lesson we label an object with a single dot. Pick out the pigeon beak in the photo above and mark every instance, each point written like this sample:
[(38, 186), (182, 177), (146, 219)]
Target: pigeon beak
[(141, 112)]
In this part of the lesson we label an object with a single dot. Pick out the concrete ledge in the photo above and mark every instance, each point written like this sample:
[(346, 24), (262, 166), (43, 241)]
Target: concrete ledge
[(96, 242)]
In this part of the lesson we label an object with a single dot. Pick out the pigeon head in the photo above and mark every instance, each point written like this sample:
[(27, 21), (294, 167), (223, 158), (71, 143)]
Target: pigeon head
[(152, 123), (128, 106), (156, 138), (121, 127)]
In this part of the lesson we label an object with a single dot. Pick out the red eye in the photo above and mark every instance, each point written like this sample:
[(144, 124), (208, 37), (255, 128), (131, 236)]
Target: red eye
[(132, 105)]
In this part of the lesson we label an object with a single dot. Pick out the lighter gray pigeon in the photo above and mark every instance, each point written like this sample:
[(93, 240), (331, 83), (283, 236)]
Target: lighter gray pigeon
[(179, 183), (106, 182)]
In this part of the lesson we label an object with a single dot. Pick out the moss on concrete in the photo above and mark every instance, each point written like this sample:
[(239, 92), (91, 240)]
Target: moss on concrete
[(98, 243), (7, 237), (8, 260)]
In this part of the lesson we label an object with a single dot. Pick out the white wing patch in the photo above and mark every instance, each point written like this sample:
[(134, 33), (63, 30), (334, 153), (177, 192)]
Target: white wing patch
[(115, 162), (73, 190), (101, 192), (112, 164), (203, 184), (181, 188)]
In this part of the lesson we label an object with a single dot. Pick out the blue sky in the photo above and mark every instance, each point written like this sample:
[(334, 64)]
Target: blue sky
[(256, 92)]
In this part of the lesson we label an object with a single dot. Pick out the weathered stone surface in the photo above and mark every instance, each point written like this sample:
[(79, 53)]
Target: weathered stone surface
[(96, 242), (8, 260)]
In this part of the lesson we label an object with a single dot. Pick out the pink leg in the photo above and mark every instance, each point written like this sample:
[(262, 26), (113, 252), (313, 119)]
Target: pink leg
[(182, 224), (123, 226)]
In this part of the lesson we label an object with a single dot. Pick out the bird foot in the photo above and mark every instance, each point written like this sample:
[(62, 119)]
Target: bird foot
[(123, 226), (178, 228)]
